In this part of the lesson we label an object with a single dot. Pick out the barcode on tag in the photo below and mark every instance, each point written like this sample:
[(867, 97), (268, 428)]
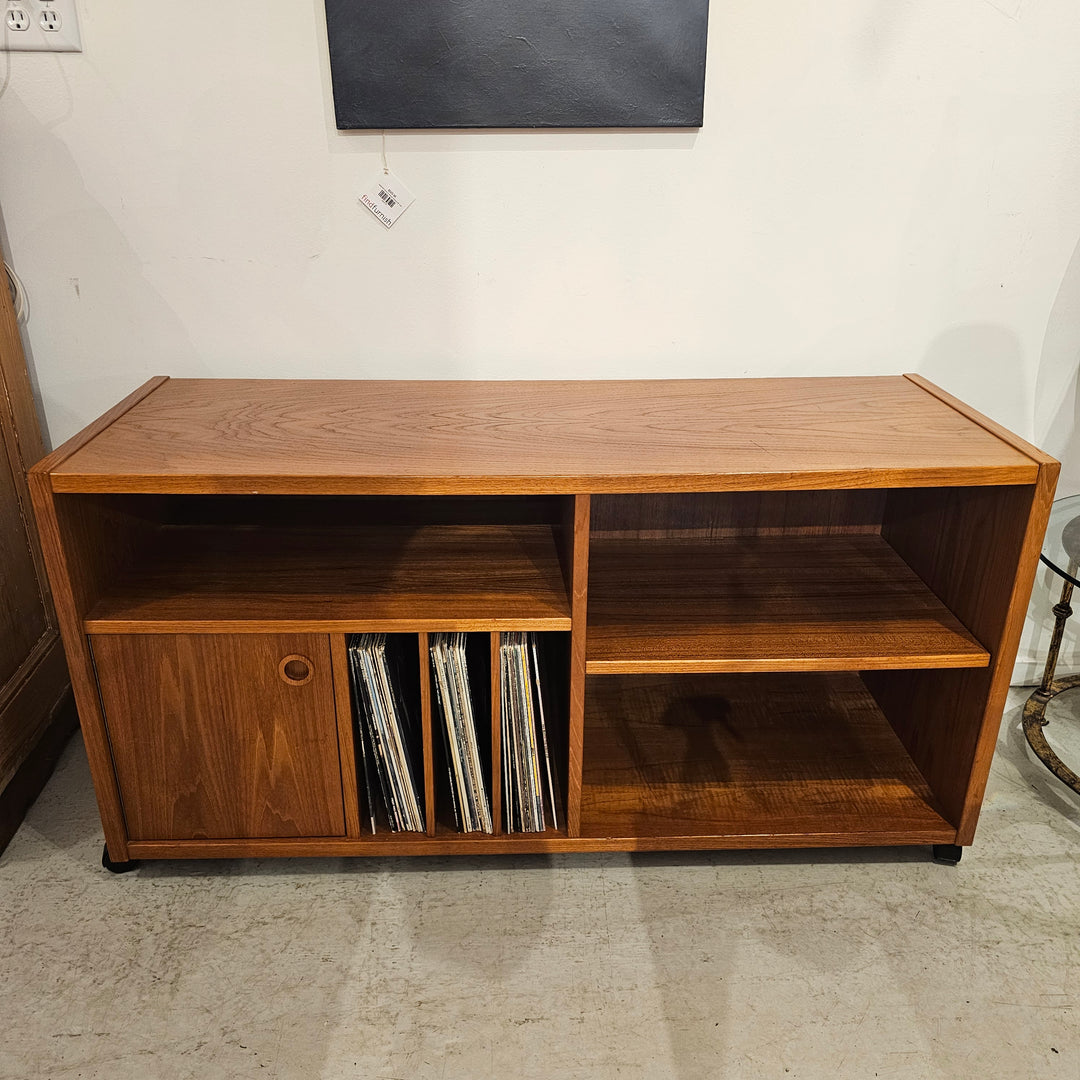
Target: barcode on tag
[(387, 199)]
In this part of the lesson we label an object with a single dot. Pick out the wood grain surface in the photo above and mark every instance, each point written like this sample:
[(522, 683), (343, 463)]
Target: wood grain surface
[(977, 548), (244, 436), (1008, 437), (346, 729), (803, 528), (397, 578), (495, 697), (210, 742), (79, 546), (549, 843), (427, 729), (718, 514), (773, 603), (769, 757), (578, 645)]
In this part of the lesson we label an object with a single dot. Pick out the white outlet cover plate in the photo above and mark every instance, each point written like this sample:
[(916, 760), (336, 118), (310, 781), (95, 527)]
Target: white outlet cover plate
[(35, 38)]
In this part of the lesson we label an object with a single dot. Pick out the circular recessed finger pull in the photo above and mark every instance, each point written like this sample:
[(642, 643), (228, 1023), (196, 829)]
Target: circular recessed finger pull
[(296, 670)]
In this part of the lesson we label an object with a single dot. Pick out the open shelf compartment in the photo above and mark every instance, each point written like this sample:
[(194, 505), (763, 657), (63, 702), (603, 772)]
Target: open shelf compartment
[(552, 736), (412, 673), (761, 581), (766, 603), (749, 760), (244, 564)]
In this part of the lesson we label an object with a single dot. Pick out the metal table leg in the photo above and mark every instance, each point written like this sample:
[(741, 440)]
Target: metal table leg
[(1035, 708)]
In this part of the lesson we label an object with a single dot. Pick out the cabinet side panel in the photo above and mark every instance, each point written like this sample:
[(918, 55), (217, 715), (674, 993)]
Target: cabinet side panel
[(497, 793), (211, 739), (427, 731), (61, 537), (346, 734), (578, 609), (977, 549)]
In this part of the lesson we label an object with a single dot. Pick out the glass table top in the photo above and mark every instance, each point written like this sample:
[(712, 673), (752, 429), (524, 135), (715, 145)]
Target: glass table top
[(1061, 548)]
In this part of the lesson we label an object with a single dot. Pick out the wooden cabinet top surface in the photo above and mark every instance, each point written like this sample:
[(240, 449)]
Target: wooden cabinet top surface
[(381, 437)]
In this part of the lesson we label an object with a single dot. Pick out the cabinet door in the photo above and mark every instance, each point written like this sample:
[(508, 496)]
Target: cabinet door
[(221, 735)]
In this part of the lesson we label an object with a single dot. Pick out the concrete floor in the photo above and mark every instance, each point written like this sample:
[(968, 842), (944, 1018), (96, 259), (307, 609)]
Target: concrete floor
[(778, 964)]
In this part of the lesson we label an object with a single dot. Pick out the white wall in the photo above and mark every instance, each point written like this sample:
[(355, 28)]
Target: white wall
[(880, 186)]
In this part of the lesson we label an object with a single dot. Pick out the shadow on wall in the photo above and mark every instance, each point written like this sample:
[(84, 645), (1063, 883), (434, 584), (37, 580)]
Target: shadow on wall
[(1057, 430), (1057, 394), (1055, 413), (97, 328), (982, 364)]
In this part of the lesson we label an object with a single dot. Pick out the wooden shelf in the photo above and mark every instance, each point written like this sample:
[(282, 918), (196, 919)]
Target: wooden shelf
[(749, 760), (389, 844), (756, 603), (392, 578)]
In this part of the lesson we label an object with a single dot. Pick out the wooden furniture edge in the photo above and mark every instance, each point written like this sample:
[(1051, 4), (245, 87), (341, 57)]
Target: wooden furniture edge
[(427, 729), (95, 624), (983, 421), (718, 666), (350, 790), (394, 844), (1004, 660), (324, 484), (81, 669), (92, 430), (497, 793), (575, 737)]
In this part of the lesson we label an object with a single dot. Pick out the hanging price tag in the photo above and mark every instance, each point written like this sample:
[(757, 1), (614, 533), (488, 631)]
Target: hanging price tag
[(388, 198)]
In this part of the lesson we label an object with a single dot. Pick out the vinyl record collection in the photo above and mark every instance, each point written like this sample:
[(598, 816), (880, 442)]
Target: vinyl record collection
[(391, 743), (528, 781), (389, 735), (468, 791)]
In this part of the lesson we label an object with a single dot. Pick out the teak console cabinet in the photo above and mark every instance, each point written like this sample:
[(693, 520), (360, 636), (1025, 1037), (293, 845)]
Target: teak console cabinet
[(786, 610)]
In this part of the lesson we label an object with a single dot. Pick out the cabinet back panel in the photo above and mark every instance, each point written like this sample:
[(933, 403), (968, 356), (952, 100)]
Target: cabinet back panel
[(351, 511), (738, 513)]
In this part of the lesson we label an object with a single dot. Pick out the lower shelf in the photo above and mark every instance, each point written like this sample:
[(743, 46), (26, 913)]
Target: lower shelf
[(791, 760), (392, 846), (775, 760)]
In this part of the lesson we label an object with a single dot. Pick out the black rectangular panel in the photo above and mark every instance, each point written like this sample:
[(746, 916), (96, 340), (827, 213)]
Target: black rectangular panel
[(509, 63)]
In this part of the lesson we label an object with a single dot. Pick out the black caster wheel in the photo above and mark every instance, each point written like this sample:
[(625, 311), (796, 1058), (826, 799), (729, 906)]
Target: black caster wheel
[(116, 867), (949, 854)]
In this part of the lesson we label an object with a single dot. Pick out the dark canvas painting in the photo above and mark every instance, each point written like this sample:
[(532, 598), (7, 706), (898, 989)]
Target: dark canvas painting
[(509, 63)]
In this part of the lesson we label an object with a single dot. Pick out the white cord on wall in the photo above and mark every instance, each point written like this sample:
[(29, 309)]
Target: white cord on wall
[(18, 295)]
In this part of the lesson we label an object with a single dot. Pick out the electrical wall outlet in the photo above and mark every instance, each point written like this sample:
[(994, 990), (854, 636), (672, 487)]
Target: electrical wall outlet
[(40, 26)]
